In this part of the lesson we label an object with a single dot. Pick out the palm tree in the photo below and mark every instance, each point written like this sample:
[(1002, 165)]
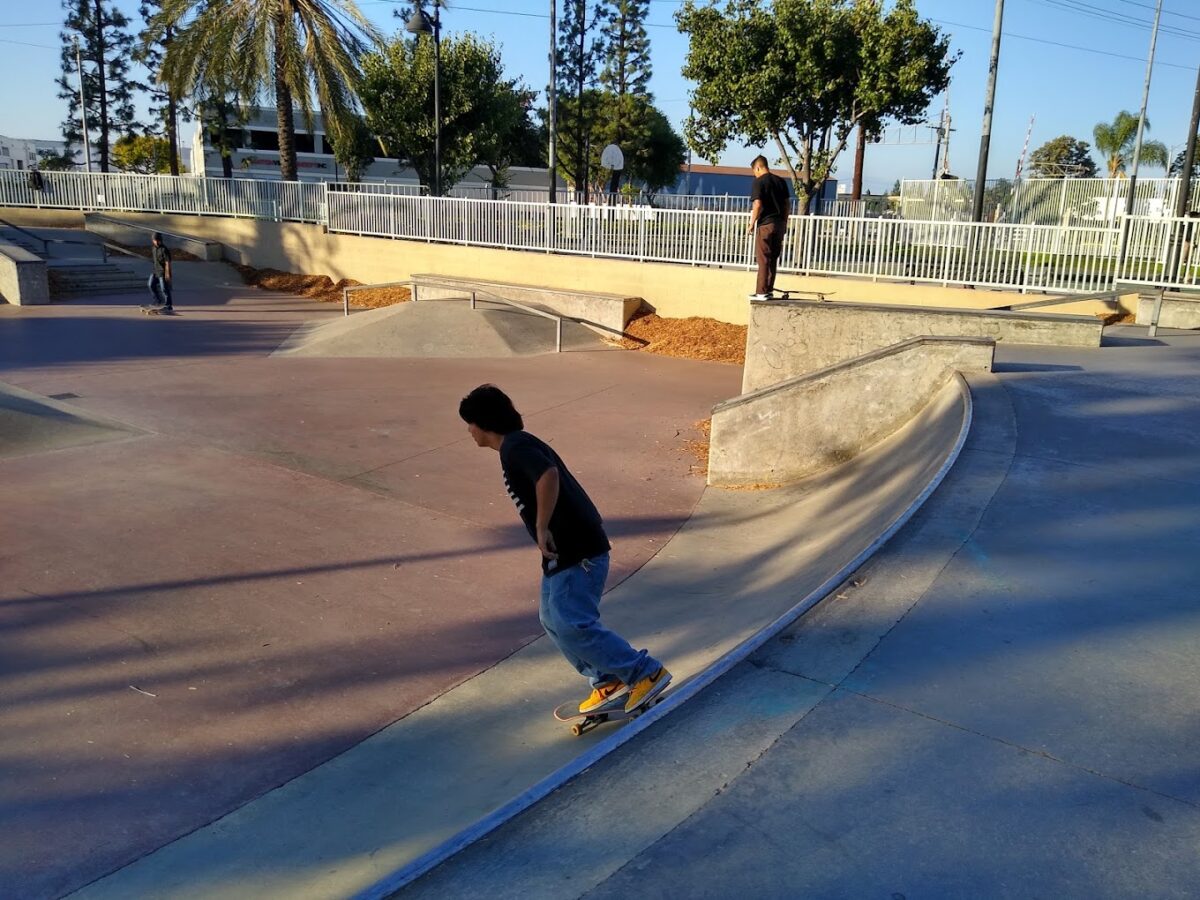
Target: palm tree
[(1116, 139), (288, 46)]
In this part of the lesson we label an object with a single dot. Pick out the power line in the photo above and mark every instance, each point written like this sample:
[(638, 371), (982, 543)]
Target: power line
[(514, 12), (30, 24), (1108, 15), (1167, 11), (1025, 37), (27, 44)]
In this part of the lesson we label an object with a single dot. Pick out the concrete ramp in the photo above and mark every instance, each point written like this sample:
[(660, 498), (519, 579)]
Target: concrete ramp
[(742, 568), (439, 329), (30, 423)]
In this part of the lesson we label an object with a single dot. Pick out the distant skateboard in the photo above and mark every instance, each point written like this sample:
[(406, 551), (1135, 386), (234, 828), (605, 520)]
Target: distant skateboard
[(152, 310), (612, 712)]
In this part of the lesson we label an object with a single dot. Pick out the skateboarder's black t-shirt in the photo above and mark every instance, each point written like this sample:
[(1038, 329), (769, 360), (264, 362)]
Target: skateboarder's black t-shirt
[(772, 191), (576, 528), (160, 256)]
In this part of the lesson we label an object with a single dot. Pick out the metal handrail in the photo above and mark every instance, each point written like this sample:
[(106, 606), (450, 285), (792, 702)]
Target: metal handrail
[(412, 285)]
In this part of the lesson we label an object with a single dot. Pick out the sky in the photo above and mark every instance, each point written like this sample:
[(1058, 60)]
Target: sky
[(1069, 64)]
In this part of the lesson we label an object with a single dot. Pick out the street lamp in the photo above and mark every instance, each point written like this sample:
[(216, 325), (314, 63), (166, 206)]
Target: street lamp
[(421, 23)]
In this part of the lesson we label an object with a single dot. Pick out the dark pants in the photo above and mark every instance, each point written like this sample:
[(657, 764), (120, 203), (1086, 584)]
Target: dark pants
[(160, 288), (768, 244)]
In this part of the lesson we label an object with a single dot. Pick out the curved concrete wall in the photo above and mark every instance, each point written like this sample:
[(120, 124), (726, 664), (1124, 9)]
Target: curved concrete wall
[(812, 422)]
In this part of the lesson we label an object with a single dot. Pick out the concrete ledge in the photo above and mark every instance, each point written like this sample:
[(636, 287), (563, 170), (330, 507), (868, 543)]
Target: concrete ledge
[(794, 337), (809, 423), (1177, 311), (606, 313), (23, 280), (136, 235)]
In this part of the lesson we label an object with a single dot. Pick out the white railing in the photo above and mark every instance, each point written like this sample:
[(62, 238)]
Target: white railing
[(1082, 258), (288, 201)]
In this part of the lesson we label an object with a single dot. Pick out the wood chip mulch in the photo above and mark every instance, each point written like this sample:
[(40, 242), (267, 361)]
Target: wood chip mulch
[(697, 448), (692, 338), (321, 287)]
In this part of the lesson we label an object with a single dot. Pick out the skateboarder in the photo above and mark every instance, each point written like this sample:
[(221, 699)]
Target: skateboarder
[(160, 280), (568, 530), (768, 223)]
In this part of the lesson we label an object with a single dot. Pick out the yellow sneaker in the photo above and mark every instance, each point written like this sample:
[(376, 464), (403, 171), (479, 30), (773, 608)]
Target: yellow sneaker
[(604, 694), (647, 689)]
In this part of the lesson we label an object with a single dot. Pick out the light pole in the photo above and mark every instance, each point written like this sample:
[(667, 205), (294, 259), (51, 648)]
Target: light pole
[(985, 139), (87, 143), (553, 101), (421, 23)]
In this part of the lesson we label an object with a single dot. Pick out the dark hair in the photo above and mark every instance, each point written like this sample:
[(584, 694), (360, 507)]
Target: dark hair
[(760, 159), (489, 408), (157, 237)]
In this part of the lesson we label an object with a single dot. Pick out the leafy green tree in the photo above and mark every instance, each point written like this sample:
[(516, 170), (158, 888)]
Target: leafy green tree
[(106, 46), (507, 137), (286, 47), (579, 55), (1115, 140), (222, 116), (655, 162), (354, 147), (1176, 168), (802, 74), (144, 154), (55, 161), (481, 108), (1062, 157), (625, 76)]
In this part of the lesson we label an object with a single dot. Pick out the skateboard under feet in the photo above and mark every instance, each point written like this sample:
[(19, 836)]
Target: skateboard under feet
[(157, 311), (581, 723)]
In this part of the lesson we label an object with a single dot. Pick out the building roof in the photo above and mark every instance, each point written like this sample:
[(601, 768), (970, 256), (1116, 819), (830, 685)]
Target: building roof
[(704, 169)]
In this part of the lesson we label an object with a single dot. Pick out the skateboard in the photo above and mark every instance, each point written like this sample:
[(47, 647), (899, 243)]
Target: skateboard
[(582, 723), (802, 295), (157, 311)]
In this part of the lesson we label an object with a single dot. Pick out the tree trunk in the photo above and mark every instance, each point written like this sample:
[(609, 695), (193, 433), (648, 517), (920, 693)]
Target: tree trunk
[(172, 115), (284, 117), (286, 127), (102, 93), (860, 151)]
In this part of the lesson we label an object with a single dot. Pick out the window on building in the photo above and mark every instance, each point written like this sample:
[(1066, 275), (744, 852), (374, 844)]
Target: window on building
[(305, 143), (4, 151), (263, 140)]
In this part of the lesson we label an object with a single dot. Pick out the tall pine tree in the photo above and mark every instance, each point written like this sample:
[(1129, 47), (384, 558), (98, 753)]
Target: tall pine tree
[(579, 53), (625, 77), (106, 48), (165, 108)]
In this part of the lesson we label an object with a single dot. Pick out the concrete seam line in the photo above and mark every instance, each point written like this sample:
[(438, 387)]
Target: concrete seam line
[(408, 873)]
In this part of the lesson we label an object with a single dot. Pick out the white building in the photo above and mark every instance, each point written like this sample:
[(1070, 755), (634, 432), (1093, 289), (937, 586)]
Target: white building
[(256, 155), (22, 153)]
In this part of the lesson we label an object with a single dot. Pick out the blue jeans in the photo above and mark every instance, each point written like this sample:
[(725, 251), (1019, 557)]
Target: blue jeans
[(160, 288), (570, 613)]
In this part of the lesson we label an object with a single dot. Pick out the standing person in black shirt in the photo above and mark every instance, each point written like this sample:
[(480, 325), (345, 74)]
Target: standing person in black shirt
[(160, 280), (768, 223), (565, 525)]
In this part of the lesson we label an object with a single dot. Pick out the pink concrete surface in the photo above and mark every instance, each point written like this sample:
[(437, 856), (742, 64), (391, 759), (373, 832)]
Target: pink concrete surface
[(299, 552)]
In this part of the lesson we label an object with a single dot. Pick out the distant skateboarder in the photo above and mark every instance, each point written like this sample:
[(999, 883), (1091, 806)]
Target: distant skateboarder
[(770, 205), (568, 530), (160, 278)]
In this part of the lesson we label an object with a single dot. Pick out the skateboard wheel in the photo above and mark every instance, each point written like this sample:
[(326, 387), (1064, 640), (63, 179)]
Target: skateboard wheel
[(577, 730)]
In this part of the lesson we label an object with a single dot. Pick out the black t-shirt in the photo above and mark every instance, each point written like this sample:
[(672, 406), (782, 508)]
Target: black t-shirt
[(773, 192), (160, 256), (576, 529)]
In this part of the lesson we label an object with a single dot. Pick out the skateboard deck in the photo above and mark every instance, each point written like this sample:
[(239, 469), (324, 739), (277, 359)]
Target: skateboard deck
[(581, 723), (802, 295), (157, 311)]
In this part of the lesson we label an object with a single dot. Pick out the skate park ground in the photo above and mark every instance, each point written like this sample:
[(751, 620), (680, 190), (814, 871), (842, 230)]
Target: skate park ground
[(1003, 705)]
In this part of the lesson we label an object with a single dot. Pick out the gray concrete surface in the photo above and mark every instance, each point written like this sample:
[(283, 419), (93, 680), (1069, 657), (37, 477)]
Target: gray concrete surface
[(795, 337), (1004, 702), (31, 423), (137, 235), (742, 561), (23, 280), (605, 313), (789, 430), (1176, 311), (439, 329)]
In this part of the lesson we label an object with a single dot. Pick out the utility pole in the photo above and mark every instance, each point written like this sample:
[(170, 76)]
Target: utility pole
[(985, 140), (553, 102), (1137, 147), (1130, 189), (1184, 232), (87, 143)]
